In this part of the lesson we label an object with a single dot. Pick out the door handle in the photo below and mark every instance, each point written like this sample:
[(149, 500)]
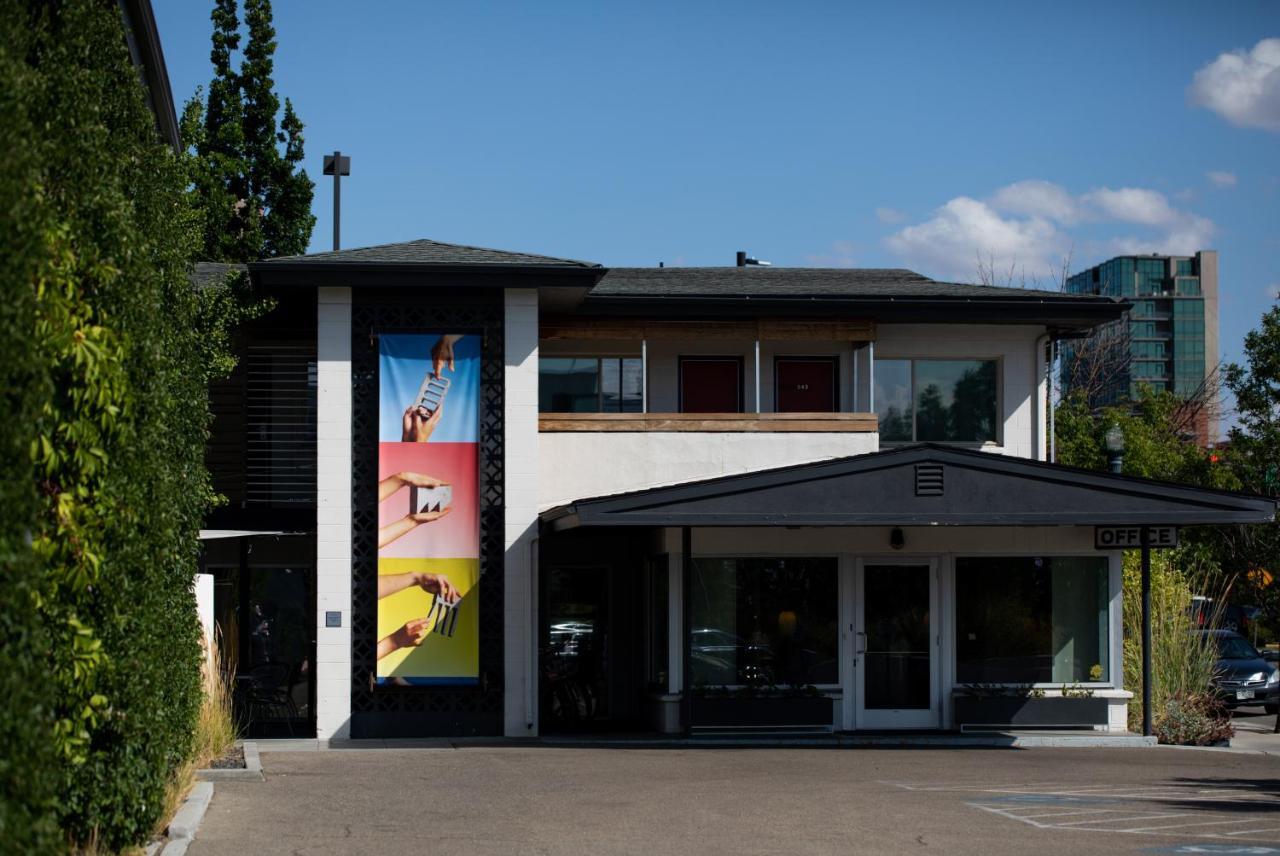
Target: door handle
[(863, 642)]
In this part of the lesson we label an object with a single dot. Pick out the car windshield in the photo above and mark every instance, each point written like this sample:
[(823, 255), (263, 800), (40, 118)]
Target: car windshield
[(1235, 648)]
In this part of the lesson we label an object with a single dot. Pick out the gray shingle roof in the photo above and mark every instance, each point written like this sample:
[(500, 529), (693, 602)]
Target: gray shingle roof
[(731, 282), (425, 253), (206, 274)]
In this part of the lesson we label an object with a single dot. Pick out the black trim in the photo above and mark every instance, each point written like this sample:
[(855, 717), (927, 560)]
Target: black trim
[(360, 275), (143, 39), (1065, 314), (983, 489), (425, 711)]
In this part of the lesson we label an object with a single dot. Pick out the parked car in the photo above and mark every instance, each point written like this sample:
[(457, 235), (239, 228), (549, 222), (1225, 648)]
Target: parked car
[(1242, 675), (1233, 617)]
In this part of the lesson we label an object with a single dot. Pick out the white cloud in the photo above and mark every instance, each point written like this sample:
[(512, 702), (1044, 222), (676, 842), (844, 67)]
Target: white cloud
[(842, 255), (890, 215), (965, 229), (1029, 227), (1036, 198), (1132, 205), (1221, 178), (1242, 86)]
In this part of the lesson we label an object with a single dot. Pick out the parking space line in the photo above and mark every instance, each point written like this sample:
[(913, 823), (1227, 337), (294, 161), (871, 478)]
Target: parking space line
[(1252, 831), (1197, 823), (1064, 813), (1123, 819)]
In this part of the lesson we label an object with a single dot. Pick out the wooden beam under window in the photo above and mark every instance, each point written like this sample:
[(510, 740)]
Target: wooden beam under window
[(766, 329), (777, 423)]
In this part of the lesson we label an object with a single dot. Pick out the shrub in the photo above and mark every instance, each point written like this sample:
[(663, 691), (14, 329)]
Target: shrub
[(1198, 720), (1182, 661)]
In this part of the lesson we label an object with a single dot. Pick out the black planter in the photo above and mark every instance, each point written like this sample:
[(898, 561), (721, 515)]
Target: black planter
[(1030, 711), (764, 711)]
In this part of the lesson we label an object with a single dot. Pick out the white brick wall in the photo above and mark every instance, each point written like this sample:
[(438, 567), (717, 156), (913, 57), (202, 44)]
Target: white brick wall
[(333, 511), (520, 496)]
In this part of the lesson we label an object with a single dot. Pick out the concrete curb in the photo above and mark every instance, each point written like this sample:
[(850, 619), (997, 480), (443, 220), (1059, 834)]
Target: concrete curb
[(250, 772), (185, 823), (1003, 740)]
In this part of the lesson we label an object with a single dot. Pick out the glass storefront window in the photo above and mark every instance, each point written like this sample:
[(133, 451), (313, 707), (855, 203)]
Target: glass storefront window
[(590, 385), (765, 621), (1032, 620), (950, 401)]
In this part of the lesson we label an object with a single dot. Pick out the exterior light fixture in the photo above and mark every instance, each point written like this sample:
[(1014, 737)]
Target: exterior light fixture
[(896, 538), (1114, 442)]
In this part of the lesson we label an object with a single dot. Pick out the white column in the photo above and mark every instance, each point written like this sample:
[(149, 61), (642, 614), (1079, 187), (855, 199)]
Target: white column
[(520, 498), (333, 511)]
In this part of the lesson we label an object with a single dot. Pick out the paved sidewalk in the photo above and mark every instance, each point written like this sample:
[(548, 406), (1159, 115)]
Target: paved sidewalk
[(1255, 731), (552, 800)]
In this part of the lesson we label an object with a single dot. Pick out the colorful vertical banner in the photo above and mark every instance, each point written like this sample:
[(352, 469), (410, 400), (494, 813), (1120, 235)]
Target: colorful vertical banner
[(428, 510)]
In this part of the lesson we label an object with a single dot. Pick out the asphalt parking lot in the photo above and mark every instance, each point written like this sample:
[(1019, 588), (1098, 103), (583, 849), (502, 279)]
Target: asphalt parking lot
[(549, 800)]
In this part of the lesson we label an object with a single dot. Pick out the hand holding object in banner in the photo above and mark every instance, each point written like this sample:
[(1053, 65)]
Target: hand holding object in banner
[(418, 424), (391, 484), (408, 636), (443, 353), (437, 584)]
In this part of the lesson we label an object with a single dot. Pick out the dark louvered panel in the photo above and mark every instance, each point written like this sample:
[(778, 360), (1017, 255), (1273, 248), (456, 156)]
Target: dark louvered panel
[(225, 453), (929, 480), (279, 424)]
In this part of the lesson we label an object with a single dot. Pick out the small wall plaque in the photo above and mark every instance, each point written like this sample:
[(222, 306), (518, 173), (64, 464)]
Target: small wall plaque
[(333, 619)]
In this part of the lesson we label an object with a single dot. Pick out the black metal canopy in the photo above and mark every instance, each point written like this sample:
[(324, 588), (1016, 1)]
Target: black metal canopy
[(917, 485)]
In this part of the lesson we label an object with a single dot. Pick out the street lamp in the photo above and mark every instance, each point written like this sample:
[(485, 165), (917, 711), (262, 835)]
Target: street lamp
[(337, 165), (1114, 442)]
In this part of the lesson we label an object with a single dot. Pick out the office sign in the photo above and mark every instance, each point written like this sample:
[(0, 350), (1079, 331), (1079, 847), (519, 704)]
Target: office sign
[(428, 510), (1130, 537)]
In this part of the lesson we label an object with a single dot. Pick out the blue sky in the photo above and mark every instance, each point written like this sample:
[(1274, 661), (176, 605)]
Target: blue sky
[(921, 135)]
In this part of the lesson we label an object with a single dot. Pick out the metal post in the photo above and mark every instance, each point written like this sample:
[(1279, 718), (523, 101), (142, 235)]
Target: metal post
[(686, 671), (1146, 632), (871, 377)]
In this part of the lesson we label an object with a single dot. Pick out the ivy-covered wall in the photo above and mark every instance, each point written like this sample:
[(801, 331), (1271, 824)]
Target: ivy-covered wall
[(107, 351)]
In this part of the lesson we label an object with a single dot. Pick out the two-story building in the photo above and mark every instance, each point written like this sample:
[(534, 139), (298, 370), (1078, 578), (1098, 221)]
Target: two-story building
[(477, 492)]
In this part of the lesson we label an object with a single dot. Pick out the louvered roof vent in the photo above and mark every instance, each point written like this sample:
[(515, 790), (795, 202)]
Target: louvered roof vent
[(928, 479)]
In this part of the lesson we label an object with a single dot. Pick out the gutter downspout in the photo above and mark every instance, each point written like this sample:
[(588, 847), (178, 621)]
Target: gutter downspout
[(1044, 431), (1053, 361)]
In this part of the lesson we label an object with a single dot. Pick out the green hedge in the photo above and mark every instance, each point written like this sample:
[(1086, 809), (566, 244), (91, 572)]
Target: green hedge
[(28, 769), (106, 358)]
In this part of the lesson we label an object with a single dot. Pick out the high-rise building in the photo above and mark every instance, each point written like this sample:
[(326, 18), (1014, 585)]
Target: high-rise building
[(1167, 341)]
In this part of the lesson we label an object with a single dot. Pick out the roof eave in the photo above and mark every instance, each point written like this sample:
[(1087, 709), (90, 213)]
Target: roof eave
[(279, 272), (1065, 313)]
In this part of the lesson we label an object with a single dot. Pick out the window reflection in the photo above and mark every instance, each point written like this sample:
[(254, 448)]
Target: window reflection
[(954, 401), (1031, 620), (764, 622), (590, 385)]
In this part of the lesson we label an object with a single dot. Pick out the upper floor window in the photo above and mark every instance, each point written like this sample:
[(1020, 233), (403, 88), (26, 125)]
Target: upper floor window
[(952, 401), (590, 385)]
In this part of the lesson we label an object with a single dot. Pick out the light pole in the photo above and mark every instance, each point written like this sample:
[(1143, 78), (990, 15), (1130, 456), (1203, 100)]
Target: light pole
[(1114, 442), (337, 165)]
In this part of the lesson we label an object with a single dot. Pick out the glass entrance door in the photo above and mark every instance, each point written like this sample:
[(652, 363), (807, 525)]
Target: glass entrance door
[(895, 645)]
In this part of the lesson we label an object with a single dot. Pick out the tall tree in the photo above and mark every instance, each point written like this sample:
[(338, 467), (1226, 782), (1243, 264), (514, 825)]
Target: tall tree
[(255, 199), (1254, 456)]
